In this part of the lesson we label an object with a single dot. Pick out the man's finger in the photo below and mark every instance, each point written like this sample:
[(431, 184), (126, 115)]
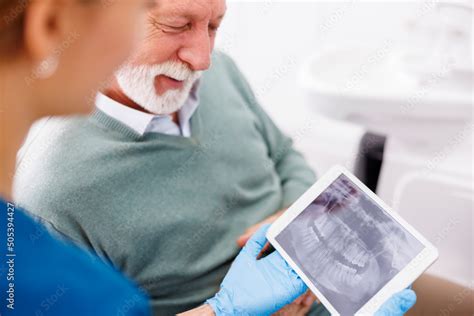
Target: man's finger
[(242, 240), (299, 299), (309, 299), (256, 243)]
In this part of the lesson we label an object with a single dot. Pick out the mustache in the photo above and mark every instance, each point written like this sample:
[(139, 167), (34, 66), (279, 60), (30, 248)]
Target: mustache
[(173, 69)]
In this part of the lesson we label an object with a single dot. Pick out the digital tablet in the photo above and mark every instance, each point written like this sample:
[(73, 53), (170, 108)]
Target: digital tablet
[(348, 246)]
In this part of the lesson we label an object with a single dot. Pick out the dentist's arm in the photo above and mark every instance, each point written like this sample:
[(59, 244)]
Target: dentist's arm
[(254, 287)]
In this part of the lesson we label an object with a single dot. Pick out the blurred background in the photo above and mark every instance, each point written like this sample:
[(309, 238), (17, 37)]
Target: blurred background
[(383, 88)]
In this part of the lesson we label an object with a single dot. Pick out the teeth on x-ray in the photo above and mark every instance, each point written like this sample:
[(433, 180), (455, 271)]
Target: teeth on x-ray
[(332, 242), (336, 235), (310, 238), (336, 249), (355, 256)]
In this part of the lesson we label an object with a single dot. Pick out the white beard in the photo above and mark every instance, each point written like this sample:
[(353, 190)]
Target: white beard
[(138, 83)]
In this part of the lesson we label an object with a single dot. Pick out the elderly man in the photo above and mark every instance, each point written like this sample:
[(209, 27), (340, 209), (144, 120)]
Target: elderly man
[(175, 164)]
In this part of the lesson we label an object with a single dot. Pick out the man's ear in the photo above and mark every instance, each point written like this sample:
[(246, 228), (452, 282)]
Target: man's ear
[(43, 29)]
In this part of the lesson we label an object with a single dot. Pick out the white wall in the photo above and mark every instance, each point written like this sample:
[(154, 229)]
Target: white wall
[(270, 40)]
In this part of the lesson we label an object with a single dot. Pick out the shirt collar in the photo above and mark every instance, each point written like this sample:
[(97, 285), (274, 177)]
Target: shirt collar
[(140, 121), (189, 107)]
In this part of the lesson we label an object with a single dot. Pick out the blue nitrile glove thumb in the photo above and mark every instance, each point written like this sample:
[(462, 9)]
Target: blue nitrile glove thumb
[(257, 287), (398, 304)]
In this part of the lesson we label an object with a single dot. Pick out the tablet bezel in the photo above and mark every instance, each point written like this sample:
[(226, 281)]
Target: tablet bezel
[(399, 282)]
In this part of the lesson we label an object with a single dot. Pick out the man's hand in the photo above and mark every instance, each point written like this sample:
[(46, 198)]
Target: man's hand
[(242, 240), (299, 307)]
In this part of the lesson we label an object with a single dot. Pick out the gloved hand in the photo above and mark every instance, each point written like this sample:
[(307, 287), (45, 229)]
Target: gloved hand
[(398, 304), (257, 287)]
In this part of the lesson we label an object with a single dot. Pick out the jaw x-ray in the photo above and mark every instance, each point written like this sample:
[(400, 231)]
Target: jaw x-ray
[(347, 245)]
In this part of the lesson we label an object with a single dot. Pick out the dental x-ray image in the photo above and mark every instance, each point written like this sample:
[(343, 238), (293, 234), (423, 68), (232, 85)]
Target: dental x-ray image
[(347, 245)]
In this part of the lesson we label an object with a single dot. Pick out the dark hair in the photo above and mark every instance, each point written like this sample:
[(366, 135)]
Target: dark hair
[(12, 16)]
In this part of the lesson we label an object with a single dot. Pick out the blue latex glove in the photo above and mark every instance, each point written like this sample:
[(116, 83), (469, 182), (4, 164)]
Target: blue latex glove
[(399, 304), (257, 287)]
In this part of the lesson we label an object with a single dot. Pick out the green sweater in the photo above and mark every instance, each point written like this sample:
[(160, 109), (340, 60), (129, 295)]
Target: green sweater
[(166, 210)]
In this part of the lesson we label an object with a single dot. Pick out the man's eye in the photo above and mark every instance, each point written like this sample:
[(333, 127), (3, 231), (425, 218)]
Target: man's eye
[(213, 28), (174, 29)]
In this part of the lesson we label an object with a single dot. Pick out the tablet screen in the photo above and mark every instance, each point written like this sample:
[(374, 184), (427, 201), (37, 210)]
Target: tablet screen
[(347, 245)]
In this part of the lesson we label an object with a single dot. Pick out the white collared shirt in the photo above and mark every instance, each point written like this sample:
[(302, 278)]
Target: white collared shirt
[(142, 122)]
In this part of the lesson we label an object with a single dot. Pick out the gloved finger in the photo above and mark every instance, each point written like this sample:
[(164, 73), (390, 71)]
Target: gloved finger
[(399, 304), (277, 260), (256, 242)]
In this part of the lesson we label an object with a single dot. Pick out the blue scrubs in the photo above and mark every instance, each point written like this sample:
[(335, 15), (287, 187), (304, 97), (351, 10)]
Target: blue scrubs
[(40, 275)]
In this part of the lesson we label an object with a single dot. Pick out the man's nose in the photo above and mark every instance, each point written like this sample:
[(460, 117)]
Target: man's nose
[(197, 51)]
